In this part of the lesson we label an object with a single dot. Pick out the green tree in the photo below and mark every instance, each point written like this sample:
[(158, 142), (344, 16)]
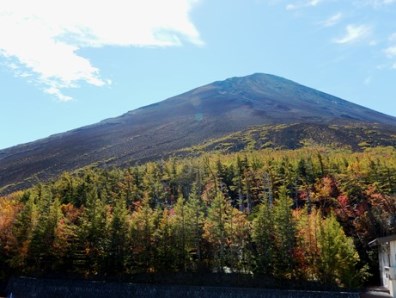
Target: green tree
[(339, 260), (263, 238), (214, 229), (194, 221), (285, 235), (43, 237), (166, 253), (118, 239), (92, 234), (23, 228), (144, 222)]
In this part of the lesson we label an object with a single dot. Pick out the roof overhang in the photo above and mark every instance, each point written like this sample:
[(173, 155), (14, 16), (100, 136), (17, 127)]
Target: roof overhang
[(382, 240)]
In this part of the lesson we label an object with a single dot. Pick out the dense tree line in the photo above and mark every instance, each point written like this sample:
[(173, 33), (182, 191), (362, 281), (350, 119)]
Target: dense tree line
[(305, 214)]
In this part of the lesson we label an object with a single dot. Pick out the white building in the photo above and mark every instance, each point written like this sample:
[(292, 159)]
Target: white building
[(387, 261)]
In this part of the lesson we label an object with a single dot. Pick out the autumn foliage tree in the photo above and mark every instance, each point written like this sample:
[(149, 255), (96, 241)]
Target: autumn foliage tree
[(301, 214)]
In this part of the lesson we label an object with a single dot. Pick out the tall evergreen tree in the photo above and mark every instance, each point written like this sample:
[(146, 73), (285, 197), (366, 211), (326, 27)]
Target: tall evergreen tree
[(214, 229), (92, 234), (339, 260), (264, 239), (143, 225), (194, 221), (118, 239), (285, 235)]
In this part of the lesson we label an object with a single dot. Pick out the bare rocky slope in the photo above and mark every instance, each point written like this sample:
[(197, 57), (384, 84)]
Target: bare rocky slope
[(205, 113)]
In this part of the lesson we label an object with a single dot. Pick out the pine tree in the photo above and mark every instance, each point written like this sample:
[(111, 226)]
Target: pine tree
[(263, 238), (214, 230), (24, 226), (92, 234), (118, 239), (143, 225), (238, 230), (194, 221), (181, 232), (307, 252), (166, 252), (339, 260), (9, 209), (285, 235)]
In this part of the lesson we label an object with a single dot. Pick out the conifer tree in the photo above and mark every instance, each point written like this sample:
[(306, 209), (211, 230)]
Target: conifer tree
[(164, 238), (92, 234), (263, 238), (285, 235), (143, 225), (194, 220), (238, 231), (339, 260), (214, 229), (43, 231), (181, 233), (24, 226), (118, 238)]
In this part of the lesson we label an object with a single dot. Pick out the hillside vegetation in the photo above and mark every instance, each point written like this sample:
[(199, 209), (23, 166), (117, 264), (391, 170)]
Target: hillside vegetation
[(354, 137), (288, 115), (305, 214)]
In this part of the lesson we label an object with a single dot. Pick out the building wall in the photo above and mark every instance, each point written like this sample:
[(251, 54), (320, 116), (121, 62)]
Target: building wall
[(393, 253), (388, 259), (384, 261), (392, 256)]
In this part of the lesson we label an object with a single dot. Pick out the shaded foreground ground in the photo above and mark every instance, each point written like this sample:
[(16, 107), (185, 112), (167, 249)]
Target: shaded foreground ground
[(42, 287), (374, 292), (31, 287)]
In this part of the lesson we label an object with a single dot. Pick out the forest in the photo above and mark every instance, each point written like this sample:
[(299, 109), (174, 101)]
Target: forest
[(305, 214)]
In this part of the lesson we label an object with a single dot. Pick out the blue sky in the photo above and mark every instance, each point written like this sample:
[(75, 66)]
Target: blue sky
[(65, 64)]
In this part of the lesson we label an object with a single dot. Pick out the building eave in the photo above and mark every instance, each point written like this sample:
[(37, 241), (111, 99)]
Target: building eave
[(382, 240)]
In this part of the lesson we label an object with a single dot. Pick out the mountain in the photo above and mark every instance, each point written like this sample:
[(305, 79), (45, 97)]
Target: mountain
[(353, 137), (205, 113)]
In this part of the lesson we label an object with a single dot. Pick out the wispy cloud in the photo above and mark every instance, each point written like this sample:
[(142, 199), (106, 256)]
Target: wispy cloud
[(392, 37), (354, 33), (314, 2), (302, 4), (375, 3), (332, 20), (383, 2), (390, 52), (367, 80), (43, 37)]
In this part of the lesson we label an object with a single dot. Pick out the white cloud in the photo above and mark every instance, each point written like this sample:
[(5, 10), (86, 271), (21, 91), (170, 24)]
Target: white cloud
[(390, 52), (44, 36), (299, 5), (314, 2), (392, 37), (333, 20), (56, 92), (384, 2), (354, 33), (376, 3), (291, 6)]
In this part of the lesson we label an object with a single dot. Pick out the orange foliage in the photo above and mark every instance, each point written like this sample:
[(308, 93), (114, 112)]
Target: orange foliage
[(9, 209)]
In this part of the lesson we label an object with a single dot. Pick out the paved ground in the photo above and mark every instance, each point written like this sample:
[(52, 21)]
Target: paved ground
[(376, 292)]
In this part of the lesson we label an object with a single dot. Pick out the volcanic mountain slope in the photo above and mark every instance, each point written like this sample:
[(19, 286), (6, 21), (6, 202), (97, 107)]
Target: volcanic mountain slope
[(353, 137), (157, 130)]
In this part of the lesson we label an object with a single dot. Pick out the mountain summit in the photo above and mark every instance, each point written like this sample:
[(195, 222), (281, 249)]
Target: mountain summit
[(157, 130)]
